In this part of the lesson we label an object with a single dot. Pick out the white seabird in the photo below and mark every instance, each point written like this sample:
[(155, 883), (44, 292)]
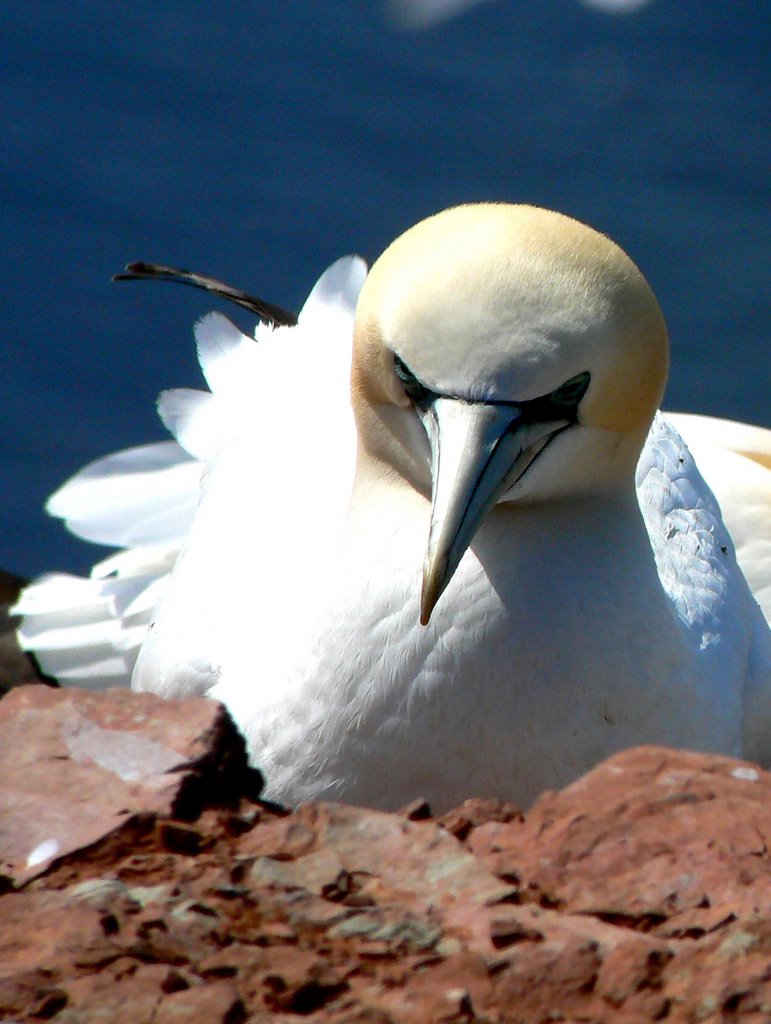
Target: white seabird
[(507, 366)]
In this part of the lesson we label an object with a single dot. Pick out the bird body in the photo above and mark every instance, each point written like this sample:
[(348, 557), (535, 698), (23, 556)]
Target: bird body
[(539, 652), (483, 567)]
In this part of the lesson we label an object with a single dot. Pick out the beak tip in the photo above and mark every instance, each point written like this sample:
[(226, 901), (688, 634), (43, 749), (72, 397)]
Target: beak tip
[(430, 594)]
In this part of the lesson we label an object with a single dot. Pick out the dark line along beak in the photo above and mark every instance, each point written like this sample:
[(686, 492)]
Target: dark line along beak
[(157, 272), (479, 451)]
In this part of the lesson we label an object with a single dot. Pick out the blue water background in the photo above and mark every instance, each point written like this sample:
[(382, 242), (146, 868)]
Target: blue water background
[(258, 141)]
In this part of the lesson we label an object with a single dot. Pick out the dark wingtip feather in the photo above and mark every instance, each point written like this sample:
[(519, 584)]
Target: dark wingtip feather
[(142, 271)]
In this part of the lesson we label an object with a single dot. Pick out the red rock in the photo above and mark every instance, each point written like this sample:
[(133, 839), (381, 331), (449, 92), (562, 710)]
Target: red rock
[(398, 857), (642, 892), (662, 841), (218, 1003), (77, 765)]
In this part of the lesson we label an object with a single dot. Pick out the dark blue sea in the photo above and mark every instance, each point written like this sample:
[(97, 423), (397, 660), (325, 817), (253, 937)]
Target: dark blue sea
[(257, 141)]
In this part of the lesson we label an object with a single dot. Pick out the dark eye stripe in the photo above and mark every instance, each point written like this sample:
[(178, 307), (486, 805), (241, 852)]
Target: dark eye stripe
[(417, 392), (572, 391), (558, 404)]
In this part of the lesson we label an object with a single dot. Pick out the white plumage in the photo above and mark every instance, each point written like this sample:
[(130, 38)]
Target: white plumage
[(735, 460), (571, 627)]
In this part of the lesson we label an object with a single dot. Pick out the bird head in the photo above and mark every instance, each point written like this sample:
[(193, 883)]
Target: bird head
[(503, 354)]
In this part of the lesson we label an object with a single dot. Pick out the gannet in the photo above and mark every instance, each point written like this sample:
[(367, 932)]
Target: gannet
[(468, 572)]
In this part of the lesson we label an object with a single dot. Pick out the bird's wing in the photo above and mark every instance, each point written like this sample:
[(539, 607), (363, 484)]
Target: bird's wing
[(697, 565), (144, 495), (87, 631), (745, 439), (143, 501), (735, 460), (274, 497), (687, 533)]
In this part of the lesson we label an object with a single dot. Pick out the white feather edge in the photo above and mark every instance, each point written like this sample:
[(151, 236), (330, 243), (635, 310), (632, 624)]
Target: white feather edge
[(139, 496), (735, 459), (88, 631)]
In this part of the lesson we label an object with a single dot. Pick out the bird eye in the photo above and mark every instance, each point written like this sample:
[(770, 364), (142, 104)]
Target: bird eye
[(418, 393), (572, 391)]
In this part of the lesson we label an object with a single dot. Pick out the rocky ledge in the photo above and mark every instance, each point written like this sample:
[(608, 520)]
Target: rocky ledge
[(143, 880)]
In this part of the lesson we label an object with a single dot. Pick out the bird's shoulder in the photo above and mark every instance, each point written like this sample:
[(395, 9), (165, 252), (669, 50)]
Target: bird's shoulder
[(697, 566), (696, 561), (693, 549)]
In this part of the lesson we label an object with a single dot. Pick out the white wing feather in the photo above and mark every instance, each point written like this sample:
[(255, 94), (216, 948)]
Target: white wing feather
[(697, 565), (144, 495), (735, 458), (88, 632), (286, 428)]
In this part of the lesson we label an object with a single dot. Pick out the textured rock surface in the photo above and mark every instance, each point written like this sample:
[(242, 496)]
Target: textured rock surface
[(77, 766), (642, 892)]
